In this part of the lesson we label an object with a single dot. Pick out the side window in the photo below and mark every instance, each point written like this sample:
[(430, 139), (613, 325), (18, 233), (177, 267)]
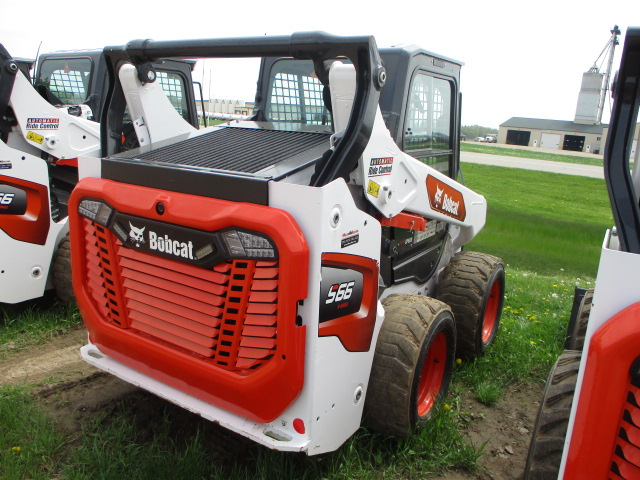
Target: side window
[(68, 80), (174, 87), (295, 94), (427, 128)]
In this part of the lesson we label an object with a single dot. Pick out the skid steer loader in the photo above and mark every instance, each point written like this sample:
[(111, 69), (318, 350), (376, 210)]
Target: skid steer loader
[(588, 424), (42, 139), (283, 275)]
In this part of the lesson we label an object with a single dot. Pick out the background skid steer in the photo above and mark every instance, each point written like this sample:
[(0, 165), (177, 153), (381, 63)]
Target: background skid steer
[(588, 424), (280, 276), (43, 134)]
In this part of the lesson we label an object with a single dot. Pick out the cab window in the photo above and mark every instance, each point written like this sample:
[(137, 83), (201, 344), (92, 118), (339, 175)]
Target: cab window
[(174, 87), (427, 127), (296, 95), (67, 79)]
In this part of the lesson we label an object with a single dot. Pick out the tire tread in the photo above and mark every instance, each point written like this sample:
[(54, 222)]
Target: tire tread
[(408, 320)]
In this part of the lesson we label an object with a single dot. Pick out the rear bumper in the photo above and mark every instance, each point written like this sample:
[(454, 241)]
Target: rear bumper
[(262, 433)]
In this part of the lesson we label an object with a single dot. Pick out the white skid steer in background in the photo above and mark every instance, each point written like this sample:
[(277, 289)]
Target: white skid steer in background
[(39, 150)]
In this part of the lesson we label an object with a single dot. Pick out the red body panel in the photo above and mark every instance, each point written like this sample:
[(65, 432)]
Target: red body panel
[(355, 331), (246, 357), (33, 225), (405, 220), (604, 398)]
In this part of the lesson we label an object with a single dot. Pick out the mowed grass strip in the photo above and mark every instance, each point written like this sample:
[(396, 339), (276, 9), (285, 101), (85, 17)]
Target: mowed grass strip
[(541, 222), (525, 153)]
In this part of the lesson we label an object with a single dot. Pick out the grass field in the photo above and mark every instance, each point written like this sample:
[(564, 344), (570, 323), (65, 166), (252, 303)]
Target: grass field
[(548, 229), (539, 155), (541, 222)]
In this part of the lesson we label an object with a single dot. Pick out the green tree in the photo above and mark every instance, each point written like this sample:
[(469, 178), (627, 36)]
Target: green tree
[(473, 131)]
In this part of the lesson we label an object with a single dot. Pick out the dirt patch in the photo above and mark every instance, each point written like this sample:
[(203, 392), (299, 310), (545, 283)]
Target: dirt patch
[(504, 429), (55, 361), (72, 391)]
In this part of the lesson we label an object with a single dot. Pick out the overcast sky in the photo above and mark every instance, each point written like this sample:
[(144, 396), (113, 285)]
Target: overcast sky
[(522, 59)]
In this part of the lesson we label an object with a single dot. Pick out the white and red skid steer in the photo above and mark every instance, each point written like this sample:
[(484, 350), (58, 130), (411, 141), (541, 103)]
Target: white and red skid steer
[(285, 274)]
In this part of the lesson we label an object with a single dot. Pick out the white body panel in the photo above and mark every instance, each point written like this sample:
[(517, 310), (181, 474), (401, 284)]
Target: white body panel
[(333, 376), (342, 79), (154, 118), (24, 267), (395, 182), (402, 186), (51, 129)]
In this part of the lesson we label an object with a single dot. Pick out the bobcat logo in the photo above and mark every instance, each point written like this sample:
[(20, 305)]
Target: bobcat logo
[(438, 196), (136, 235)]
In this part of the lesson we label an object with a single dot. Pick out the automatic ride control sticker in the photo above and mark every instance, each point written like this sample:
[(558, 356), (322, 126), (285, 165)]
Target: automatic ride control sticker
[(380, 166), (43, 123)]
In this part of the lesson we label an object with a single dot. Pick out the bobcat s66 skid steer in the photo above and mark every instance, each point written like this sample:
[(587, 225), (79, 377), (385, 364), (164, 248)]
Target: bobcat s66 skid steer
[(42, 135), (283, 275)]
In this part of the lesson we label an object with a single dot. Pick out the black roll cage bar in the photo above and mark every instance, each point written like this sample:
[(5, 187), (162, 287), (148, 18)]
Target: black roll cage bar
[(317, 46), (624, 202), (8, 71)]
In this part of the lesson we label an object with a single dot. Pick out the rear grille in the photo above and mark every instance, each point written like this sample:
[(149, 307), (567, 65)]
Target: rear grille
[(625, 462), (227, 316)]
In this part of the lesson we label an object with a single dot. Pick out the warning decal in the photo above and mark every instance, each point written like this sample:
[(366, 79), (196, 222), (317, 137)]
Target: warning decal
[(34, 137), (373, 188)]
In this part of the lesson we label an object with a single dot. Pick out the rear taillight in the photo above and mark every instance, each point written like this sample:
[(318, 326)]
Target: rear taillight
[(248, 245), (96, 211)]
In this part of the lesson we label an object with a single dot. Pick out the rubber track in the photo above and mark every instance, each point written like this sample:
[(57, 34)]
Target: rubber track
[(547, 443), (462, 286), (389, 406)]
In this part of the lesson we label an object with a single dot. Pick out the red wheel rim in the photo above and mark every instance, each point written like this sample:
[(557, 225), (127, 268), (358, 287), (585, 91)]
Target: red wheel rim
[(432, 374), (491, 311)]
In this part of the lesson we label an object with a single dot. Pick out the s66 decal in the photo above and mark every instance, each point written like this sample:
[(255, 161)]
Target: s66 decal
[(13, 201), (340, 291), (348, 299)]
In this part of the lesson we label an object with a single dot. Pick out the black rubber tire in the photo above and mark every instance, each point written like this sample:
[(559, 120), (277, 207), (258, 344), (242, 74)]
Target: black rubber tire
[(411, 327), (62, 271), (578, 331), (547, 442), (472, 284)]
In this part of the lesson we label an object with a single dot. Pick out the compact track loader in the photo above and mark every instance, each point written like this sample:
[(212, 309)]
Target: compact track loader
[(42, 135), (288, 275), (588, 425)]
